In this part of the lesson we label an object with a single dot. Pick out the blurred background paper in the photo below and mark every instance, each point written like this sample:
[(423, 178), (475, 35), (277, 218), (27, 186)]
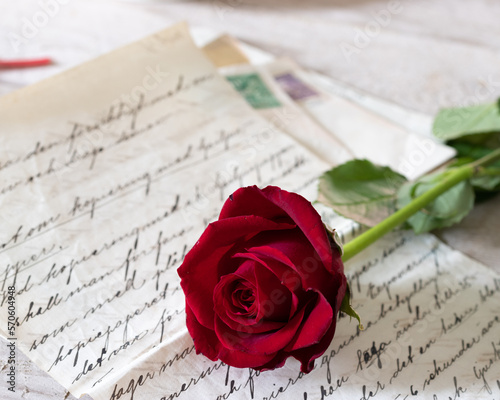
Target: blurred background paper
[(406, 152), (366, 130), (286, 115), (224, 51)]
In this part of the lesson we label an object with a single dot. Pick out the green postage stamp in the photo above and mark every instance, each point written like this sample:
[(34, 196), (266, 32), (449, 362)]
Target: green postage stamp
[(252, 87)]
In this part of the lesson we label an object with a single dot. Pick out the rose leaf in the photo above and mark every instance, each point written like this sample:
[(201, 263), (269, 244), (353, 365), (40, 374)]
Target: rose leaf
[(453, 123), (488, 178), (448, 209), (361, 191)]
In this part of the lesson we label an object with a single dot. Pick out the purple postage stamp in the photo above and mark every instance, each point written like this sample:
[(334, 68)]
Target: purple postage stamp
[(294, 87)]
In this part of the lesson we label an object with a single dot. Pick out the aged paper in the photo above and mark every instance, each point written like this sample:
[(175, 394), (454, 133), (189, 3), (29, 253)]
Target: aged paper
[(263, 93), (410, 120), (432, 324), (224, 51), (111, 171), (368, 127), (367, 135)]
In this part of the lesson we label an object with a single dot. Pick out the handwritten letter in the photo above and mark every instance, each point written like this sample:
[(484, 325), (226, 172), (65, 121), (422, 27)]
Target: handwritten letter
[(110, 172)]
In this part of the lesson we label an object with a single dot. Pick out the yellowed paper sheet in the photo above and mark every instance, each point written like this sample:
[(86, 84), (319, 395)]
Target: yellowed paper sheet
[(110, 172), (224, 51)]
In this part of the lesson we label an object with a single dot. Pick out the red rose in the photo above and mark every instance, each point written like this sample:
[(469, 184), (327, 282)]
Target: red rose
[(264, 282)]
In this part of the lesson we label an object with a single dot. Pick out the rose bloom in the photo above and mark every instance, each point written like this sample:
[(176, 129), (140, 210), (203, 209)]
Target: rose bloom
[(264, 282)]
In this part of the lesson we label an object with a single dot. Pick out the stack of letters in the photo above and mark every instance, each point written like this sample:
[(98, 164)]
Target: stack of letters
[(111, 171)]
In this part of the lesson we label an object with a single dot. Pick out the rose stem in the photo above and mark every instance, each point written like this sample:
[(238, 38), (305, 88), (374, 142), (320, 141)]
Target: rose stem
[(454, 177)]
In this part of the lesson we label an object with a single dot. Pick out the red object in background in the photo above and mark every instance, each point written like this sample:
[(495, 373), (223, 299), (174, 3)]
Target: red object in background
[(36, 62)]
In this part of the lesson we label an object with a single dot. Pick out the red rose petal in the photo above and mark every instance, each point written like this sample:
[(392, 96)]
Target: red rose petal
[(277, 305), (207, 343), (205, 340), (258, 343), (246, 201), (309, 222), (224, 303), (276, 302), (277, 362), (289, 249), (200, 270), (307, 355), (314, 325), (250, 201), (229, 314), (240, 359), (282, 268), (256, 326)]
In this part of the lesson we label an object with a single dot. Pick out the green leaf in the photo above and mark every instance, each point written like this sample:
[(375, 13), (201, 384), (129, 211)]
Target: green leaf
[(448, 209), (485, 140), (361, 191), (473, 150), (487, 178), (346, 307), (452, 123), (474, 132)]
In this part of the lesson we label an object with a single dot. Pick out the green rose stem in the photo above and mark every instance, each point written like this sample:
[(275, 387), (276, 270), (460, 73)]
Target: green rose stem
[(454, 177)]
